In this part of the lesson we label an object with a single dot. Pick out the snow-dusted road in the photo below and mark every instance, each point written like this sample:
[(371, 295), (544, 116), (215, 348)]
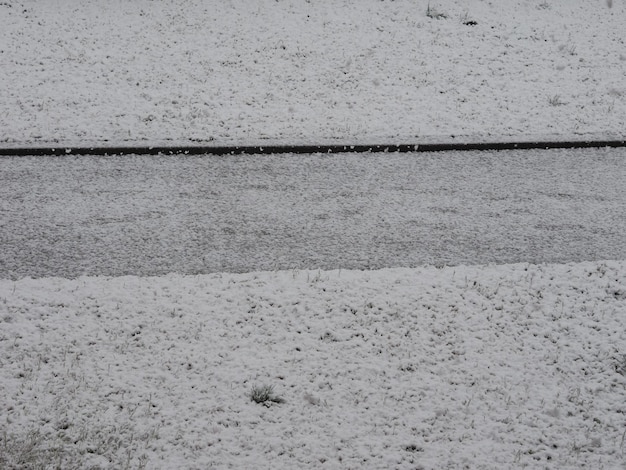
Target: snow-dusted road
[(69, 216)]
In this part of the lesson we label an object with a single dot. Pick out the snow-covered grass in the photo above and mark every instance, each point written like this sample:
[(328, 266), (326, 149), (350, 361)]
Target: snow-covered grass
[(461, 367), (285, 71)]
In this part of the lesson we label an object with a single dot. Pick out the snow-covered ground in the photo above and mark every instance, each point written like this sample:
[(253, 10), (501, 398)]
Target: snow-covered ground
[(242, 72), (514, 366), (499, 366)]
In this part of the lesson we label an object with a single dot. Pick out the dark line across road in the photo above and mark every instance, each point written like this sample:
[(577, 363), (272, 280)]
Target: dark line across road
[(303, 149)]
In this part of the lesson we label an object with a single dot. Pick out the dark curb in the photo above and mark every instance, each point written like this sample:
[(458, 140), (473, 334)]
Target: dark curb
[(303, 149)]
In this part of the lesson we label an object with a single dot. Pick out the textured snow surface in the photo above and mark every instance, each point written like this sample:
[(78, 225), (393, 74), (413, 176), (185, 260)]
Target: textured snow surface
[(507, 366), (78, 71)]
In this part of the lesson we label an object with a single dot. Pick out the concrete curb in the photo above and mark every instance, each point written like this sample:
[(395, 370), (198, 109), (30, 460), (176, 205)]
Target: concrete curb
[(303, 149)]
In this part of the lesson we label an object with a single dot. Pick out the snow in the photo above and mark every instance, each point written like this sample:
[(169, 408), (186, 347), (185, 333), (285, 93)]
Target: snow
[(480, 367), (476, 365), (292, 71)]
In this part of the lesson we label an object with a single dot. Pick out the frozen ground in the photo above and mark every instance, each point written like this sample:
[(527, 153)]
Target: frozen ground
[(78, 71), (511, 366)]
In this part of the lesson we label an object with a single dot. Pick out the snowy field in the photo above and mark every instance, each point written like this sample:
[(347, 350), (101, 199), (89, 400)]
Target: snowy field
[(482, 366), (296, 71), (514, 366)]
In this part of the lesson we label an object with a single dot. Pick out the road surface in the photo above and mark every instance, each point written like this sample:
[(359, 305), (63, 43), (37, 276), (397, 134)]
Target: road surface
[(149, 215)]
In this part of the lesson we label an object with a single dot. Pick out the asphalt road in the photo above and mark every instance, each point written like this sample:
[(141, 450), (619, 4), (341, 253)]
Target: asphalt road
[(72, 215)]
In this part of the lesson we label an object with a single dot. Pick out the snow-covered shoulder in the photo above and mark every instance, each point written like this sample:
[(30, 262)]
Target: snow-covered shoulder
[(478, 366), (371, 71)]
